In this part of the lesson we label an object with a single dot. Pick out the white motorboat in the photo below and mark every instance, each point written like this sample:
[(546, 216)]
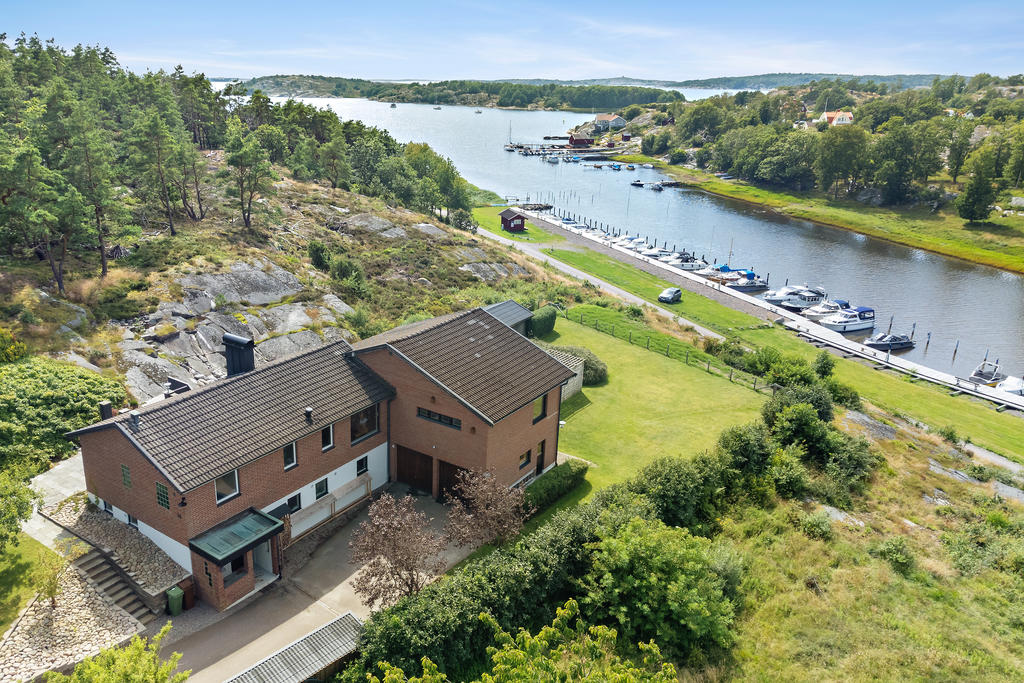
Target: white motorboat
[(825, 309), (1012, 385), (655, 252), (749, 281), (807, 298), (623, 240), (796, 296), (665, 258), (689, 263), (850, 320), (987, 373)]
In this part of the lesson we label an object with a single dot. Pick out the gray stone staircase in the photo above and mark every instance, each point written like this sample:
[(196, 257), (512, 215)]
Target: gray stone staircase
[(109, 582)]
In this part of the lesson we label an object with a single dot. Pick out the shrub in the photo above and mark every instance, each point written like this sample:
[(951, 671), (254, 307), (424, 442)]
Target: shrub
[(843, 394), (788, 472), (555, 483), (789, 371), (824, 364), (594, 369), (113, 303), (897, 553), (651, 581), (542, 323), (948, 433), (687, 492), (320, 255), (799, 424), (635, 312), (817, 525), (762, 359), (11, 349), (748, 446), (678, 156), (815, 395)]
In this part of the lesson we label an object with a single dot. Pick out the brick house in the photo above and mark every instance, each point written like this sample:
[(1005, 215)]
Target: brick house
[(224, 477)]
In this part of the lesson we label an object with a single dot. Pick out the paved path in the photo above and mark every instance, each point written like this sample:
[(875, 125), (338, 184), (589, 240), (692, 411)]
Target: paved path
[(534, 251), (60, 481)]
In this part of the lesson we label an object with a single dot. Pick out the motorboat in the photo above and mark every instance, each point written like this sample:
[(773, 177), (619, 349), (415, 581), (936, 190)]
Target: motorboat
[(825, 309), (437, 108), (714, 270), (671, 256), (623, 240), (655, 252), (630, 167), (478, 112), (987, 373), (640, 246), (889, 342), (648, 166), (782, 294), (394, 106), (850, 320), (657, 187), (1012, 385), (807, 298), (552, 159), (689, 263), (637, 183), (748, 281)]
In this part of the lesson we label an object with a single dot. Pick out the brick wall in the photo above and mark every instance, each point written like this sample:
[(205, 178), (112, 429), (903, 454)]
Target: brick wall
[(210, 582), (511, 437)]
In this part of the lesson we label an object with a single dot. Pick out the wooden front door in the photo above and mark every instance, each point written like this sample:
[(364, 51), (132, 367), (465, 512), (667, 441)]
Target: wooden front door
[(415, 469), (446, 478)]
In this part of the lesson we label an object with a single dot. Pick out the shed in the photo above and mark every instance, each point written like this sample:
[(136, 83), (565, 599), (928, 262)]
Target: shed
[(626, 137), (512, 221), (313, 657), (574, 363), (512, 313), (578, 140)]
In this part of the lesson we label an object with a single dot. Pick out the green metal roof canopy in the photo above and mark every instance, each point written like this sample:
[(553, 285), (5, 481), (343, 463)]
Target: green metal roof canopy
[(233, 538)]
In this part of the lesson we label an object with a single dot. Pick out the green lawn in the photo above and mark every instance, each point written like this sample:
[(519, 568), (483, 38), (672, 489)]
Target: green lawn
[(929, 403), (16, 589), (487, 218), (650, 406), (997, 242)]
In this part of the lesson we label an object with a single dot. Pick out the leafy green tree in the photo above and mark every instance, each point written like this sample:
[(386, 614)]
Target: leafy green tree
[(152, 149), (274, 141), (304, 161), (89, 159), (824, 364), (958, 145), (800, 424), (138, 662), (842, 155), (654, 582), (17, 500), (979, 192), (1014, 169), (334, 159), (250, 171), (893, 155), (748, 446)]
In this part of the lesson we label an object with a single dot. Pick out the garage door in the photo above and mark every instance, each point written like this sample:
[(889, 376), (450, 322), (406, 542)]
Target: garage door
[(446, 478), (415, 469)]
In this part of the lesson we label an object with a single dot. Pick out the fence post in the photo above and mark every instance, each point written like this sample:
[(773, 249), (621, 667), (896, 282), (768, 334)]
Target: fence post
[(687, 356), (668, 349), (631, 336), (613, 329), (755, 382), (730, 374), (709, 365), (648, 343)]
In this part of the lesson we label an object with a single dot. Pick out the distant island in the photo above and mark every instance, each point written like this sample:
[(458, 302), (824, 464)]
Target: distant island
[(755, 82)]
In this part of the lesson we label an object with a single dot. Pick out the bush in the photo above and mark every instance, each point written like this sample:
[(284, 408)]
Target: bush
[(542, 323), (635, 312), (748, 446), (817, 525), (799, 424), (816, 395), (11, 349), (948, 433), (897, 553), (687, 492), (843, 394), (824, 364), (789, 371), (594, 369), (552, 485), (320, 255), (113, 303), (762, 359), (678, 156), (788, 472)]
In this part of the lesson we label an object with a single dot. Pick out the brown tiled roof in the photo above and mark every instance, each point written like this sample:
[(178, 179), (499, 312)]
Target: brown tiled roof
[(196, 436), (606, 117), (509, 213), (486, 364)]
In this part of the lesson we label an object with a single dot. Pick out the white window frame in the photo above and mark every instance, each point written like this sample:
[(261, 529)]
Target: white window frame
[(327, 489), (331, 444), (295, 456), (216, 494)]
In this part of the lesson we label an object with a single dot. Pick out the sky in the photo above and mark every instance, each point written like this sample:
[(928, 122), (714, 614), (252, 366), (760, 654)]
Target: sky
[(479, 39)]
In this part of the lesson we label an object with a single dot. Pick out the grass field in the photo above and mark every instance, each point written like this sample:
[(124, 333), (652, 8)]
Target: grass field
[(16, 587), (997, 242), (487, 218), (974, 419), (650, 406)]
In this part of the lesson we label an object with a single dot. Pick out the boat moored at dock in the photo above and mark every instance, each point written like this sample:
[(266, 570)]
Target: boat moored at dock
[(825, 309), (850, 320), (987, 373), (885, 341)]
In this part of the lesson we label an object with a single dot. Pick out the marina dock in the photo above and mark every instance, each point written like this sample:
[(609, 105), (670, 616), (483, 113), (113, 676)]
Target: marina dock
[(806, 329)]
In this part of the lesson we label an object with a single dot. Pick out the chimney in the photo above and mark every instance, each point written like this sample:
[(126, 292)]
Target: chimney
[(239, 354), (309, 414), (106, 410), (135, 420)]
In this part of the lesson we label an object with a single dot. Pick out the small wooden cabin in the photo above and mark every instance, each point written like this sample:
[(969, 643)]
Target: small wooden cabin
[(512, 221)]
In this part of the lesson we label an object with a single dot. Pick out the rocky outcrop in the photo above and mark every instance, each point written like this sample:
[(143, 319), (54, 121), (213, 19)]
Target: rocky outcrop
[(258, 283)]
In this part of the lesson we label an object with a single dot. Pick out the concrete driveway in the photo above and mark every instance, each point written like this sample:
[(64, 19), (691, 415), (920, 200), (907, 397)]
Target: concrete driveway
[(56, 484), (292, 607)]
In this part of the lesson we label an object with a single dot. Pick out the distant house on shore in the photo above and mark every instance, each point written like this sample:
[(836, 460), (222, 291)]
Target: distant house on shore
[(836, 118), (609, 121), (512, 221), (578, 140)]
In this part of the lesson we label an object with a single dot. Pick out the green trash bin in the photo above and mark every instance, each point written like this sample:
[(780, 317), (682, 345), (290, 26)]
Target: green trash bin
[(174, 597)]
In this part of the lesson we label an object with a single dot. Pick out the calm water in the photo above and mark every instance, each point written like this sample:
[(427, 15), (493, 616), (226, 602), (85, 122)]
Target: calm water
[(981, 307)]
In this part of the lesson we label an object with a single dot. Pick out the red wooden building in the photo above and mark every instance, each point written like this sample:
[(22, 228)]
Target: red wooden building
[(512, 220), (576, 140)]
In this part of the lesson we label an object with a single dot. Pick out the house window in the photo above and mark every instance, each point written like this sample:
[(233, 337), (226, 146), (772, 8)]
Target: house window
[(524, 459), (453, 422), (362, 466), (161, 496), (540, 408), (365, 423), (540, 454), (233, 571), (321, 489), (226, 486), (295, 503), (107, 507), (327, 438), (126, 476), (289, 456), (133, 521)]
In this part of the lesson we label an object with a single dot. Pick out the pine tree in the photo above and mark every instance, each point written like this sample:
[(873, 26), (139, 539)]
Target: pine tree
[(979, 192)]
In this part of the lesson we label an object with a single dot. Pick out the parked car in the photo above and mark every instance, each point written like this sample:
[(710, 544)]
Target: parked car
[(670, 295)]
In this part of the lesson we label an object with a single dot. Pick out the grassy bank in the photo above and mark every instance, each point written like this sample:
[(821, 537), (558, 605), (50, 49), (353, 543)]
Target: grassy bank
[(481, 197), (16, 587), (487, 218), (998, 242), (928, 403), (651, 406)]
